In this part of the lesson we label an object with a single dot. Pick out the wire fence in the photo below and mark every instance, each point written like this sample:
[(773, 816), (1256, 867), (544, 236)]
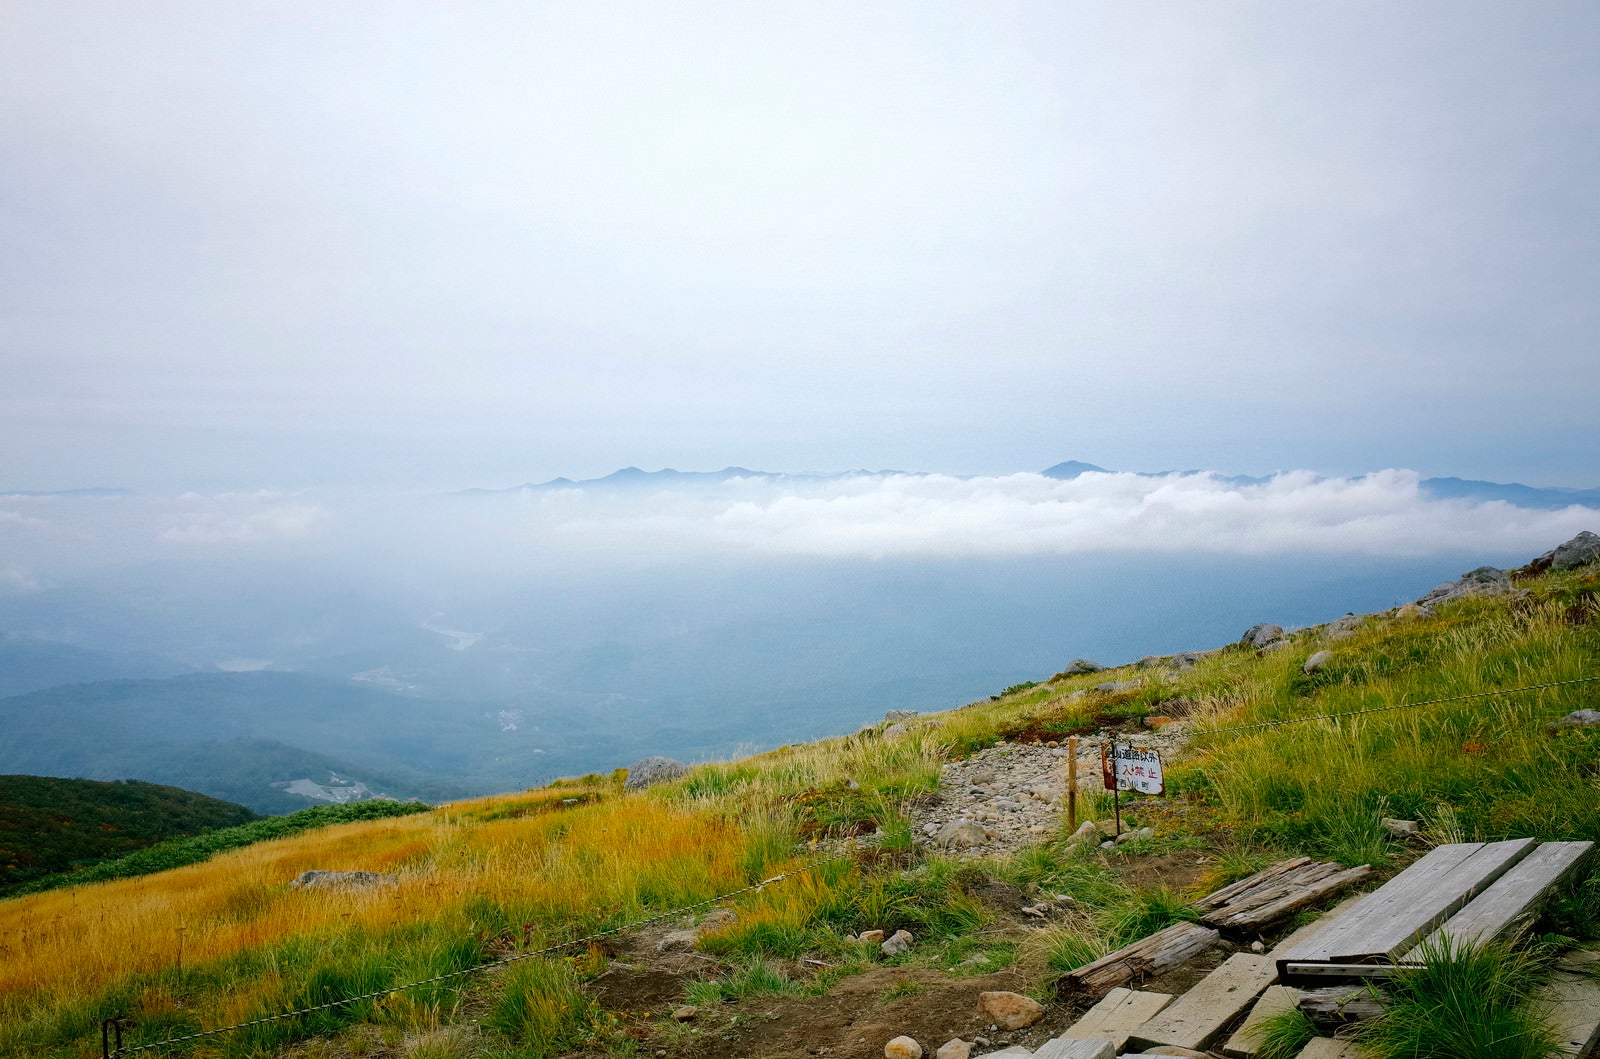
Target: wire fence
[(120, 1050)]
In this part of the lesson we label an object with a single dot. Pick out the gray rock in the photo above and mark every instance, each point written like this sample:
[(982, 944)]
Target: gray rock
[(676, 940), (1184, 660), (1484, 581), (1578, 719), (1084, 665), (1579, 551), (341, 880), (961, 834), (1399, 828), (1118, 685), (896, 731), (899, 715), (897, 944), (1258, 636), (1343, 627), (1086, 832), (1150, 662), (653, 770), (1134, 836), (1317, 661)]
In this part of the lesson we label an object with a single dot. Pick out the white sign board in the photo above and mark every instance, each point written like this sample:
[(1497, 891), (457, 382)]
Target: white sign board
[(1137, 769)]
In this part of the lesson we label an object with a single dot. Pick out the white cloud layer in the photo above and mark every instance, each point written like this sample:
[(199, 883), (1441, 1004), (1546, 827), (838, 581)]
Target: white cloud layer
[(1028, 514)]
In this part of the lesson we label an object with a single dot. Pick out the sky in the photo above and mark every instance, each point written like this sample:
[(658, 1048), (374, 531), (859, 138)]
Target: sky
[(298, 246)]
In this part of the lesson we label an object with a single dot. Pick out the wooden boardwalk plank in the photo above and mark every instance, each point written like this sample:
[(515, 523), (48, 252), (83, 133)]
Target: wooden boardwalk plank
[(1328, 1048), (1199, 1015), (1510, 903), (1574, 1005), (1392, 918), (1117, 1015), (1319, 945), (1246, 1040), (1083, 1049)]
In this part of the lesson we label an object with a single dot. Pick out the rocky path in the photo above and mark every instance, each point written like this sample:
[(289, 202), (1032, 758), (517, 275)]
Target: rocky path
[(1012, 795)]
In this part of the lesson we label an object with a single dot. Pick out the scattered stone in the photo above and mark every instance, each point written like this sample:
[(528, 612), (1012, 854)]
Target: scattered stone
[(1087, 832), (871, 937), (1114, 686), (653, 770), (1578, 719), (896, 731), (1484, 581), (956, 1048), (1184, 660), (1316, 662), (1579, 551), (898, 944), (341, 880), (1084, 665), (1038, 911), (961, 834), (1409, 612), (1343, 628), (902, 1048), (1257, 947), (1136, 835), (1010, 1011), (677, 940), (1259, 635), (685, 1013), (899, 715), (1400, 828), (1276, 645)]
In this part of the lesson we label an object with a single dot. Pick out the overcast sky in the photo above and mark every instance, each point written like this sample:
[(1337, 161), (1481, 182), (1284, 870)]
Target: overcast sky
[(296, 244)]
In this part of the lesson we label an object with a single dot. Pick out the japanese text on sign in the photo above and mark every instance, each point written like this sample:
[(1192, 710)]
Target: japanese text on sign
[(1136, 769)]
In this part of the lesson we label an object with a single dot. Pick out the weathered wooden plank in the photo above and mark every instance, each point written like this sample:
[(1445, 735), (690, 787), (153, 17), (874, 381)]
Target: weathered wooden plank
[(1320, 944), (1246, 1040), (1077, 1049), (1199, 1016), (1573, 1002), (1317, 925), (1277, 888), (1413, 919), (1118, 1014), (1511, 902), (1337, 1006), (1328, 1048), (1241, 886), (1160, 952), (1261, 916), (1392, 918)]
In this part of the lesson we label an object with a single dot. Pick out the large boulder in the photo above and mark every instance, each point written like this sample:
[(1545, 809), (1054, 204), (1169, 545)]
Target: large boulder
[(899, 715), (653, 770), (1084, 665), (1261, 634), (1484, 581), (1579, 551)]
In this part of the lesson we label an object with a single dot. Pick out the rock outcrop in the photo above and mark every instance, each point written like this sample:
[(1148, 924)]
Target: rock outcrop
[(341, 880), (653, 770), (1484, 581), (1261, 634)]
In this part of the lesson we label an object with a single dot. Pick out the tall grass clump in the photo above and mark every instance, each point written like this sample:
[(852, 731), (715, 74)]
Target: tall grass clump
[(542, 1010), (1464, 1002), (1283, 1034)]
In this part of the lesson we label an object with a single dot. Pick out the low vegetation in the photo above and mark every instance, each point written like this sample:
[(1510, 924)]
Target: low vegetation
[(226, 940), (48, 825)]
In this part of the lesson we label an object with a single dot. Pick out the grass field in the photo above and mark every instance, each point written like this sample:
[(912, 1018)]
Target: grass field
[(226, 940)]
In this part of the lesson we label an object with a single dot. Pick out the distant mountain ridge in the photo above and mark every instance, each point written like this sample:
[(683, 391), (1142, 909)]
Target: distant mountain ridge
[(1439, 488)]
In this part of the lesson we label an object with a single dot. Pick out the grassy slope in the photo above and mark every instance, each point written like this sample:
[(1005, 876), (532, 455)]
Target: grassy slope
[(49, 824), (226, 940)]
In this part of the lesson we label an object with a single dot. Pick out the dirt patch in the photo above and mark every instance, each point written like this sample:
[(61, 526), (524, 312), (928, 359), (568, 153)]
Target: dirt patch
[(853, 1021)]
